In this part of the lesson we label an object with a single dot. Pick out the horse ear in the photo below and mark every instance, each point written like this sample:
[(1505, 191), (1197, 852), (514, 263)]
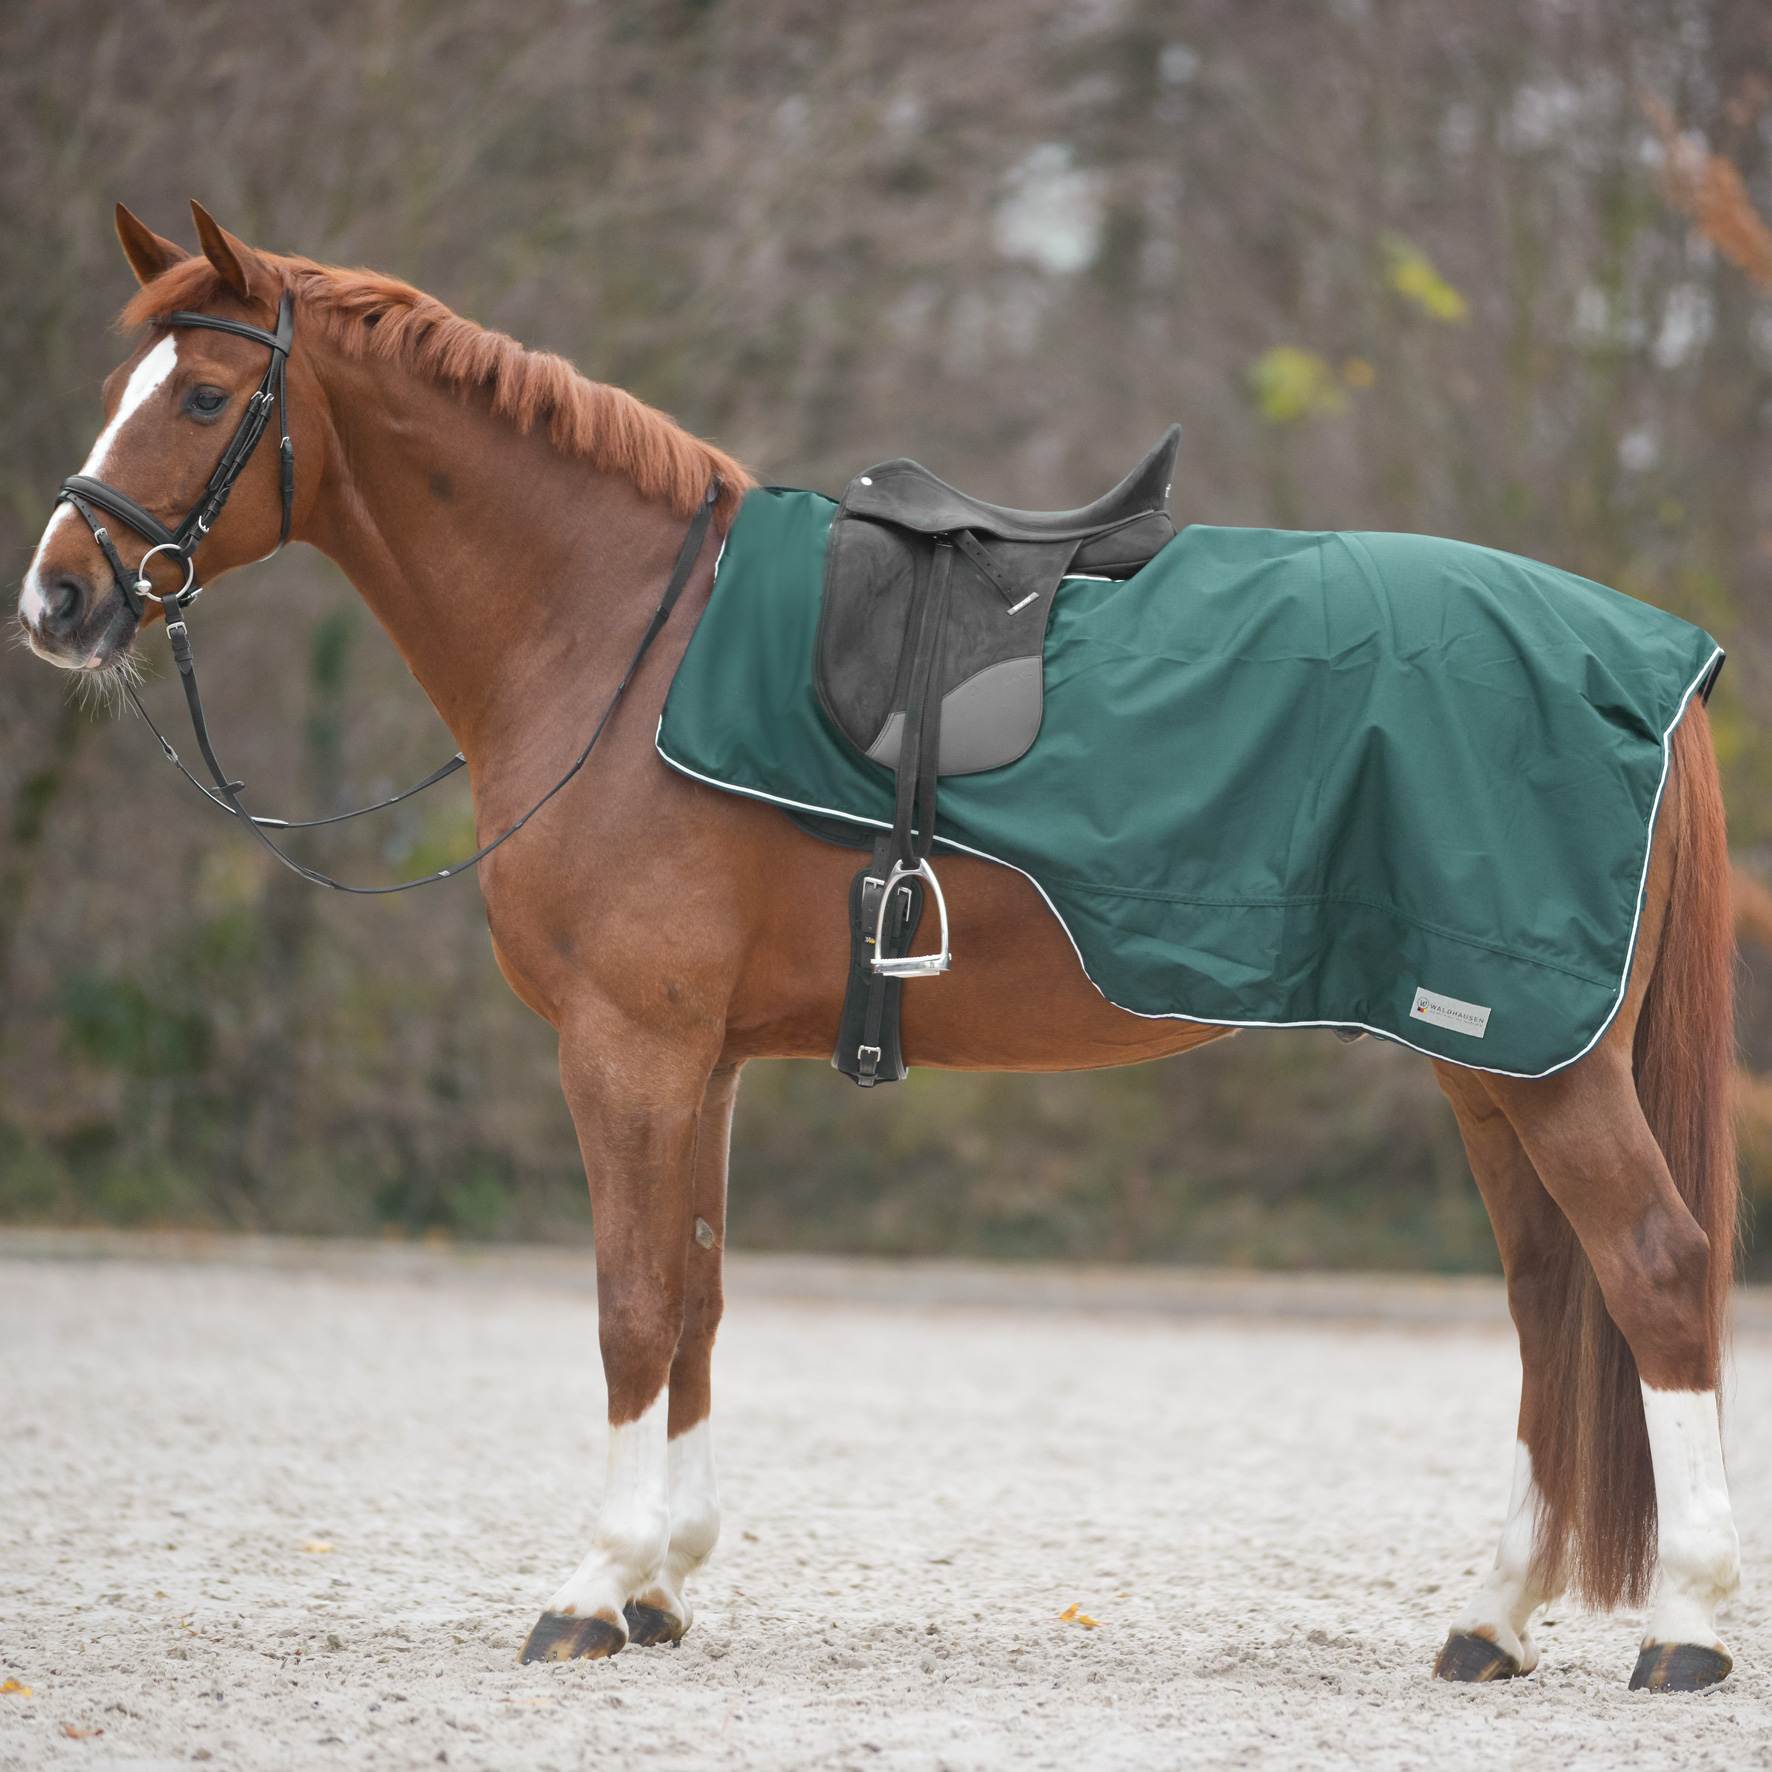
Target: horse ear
[(235, 262), (147, 253)]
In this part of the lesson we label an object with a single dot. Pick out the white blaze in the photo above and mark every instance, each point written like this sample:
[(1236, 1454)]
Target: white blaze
[(148, 375)]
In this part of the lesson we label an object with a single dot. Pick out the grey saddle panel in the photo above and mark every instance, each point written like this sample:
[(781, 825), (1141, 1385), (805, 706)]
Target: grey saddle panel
[(869, 579), (987, 721), (883, 541)]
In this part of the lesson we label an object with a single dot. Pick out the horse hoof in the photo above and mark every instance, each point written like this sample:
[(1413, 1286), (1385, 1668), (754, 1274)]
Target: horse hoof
[(649, 1625), (559, 1637), (1679, 1667), (1470, 1659)]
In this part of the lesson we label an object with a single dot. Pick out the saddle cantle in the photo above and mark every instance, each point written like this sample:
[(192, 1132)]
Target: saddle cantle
[(929, 660), (1004, 568)]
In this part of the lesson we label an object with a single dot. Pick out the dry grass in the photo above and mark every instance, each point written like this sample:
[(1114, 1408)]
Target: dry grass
[(1708, 188)]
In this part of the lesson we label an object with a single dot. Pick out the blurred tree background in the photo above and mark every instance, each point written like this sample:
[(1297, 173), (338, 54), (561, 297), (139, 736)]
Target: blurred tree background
[(1404, 266)]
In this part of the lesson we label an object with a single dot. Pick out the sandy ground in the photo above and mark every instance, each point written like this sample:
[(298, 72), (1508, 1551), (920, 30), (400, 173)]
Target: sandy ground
[(287, 1519)]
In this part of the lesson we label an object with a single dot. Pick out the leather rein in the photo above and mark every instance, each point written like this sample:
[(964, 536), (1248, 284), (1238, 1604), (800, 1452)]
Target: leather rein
[(84, 493)]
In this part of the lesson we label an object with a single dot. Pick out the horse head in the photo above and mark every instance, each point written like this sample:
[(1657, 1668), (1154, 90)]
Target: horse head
[(176, 410)]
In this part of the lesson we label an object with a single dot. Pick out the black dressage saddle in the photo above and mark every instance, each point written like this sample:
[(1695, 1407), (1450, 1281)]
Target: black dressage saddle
[(931, 638)]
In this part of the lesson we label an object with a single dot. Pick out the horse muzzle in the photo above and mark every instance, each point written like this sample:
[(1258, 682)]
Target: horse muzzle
[(73, 622)]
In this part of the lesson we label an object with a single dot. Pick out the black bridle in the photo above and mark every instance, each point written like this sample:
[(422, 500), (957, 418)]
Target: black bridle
[(84, 492)]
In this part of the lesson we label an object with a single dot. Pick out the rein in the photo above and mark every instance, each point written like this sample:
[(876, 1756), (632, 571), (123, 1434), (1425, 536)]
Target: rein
[(84, 492)]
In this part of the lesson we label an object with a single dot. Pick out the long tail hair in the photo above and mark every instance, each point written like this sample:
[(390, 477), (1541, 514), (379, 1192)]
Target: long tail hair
[(1597, 1521)]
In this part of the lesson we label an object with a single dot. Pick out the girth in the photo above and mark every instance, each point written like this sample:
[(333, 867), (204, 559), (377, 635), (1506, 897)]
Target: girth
[(929, 658)]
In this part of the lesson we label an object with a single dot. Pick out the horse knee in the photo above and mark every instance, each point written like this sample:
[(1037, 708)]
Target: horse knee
[(636, 1536)]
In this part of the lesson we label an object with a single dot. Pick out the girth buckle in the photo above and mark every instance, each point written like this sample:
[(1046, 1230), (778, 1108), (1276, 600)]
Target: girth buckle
[(911, 965)]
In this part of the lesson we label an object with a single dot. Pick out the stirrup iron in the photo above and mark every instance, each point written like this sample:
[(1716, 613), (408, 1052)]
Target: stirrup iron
[(911, 965)]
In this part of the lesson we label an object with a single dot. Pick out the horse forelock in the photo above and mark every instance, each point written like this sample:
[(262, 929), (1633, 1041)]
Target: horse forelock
[(373, 317)]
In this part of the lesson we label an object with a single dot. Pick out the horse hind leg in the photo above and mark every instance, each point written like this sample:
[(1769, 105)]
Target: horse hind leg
[(1660, 1494), (1635, 1144), (1619, 1463), (1491, 1638)]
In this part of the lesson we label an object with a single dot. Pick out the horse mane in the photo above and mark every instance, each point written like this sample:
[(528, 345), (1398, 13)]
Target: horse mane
[(371, 316)]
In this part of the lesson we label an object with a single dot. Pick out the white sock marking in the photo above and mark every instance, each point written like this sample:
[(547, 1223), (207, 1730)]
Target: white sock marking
[(1699, 1551), (695, 1515), (633, 1525), (147, 376), (1502, 1606)]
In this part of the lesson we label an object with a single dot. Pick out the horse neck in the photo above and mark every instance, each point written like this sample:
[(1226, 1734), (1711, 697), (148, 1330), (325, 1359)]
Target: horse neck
[(508, 576)]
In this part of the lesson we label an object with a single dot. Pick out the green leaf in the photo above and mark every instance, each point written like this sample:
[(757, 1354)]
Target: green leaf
[(1412, 275), (1290, 384)]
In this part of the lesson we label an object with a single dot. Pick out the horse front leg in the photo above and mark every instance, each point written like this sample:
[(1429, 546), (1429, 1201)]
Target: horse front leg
[(636, 1096), (662, 1614)]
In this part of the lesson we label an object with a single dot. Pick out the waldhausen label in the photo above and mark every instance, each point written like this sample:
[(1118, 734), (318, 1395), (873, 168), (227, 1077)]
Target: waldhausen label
[(1448, 1012)]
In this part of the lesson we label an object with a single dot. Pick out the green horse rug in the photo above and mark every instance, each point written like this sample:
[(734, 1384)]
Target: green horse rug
[(1380, 783)]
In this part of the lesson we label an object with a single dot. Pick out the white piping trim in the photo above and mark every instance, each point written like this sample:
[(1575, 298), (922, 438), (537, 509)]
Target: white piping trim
[(1204, 1021)]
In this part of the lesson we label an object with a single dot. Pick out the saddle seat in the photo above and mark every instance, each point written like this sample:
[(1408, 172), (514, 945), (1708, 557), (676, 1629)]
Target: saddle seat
[(1117, 534)]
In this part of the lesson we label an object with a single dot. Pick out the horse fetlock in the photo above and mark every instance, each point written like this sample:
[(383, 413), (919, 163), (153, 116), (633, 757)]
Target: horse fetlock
[(661, 1612), (1700, 1563), (692, 1542), (1687, 1597), (638, 1541), (627, 1555)]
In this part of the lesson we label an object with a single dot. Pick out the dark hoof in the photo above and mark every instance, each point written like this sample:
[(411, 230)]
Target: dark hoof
[(648, 1626), (557, 1637), (1471, 1659), (1679, 1667)]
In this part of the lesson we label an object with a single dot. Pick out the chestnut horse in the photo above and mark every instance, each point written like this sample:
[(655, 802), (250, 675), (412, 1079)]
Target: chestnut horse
[(511, 525)]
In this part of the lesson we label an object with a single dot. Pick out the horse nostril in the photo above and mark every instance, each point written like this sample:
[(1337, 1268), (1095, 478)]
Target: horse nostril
[(65, 596)]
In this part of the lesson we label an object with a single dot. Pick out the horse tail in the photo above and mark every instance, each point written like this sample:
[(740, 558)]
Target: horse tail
[(1684, 1055), (1684, 1061)]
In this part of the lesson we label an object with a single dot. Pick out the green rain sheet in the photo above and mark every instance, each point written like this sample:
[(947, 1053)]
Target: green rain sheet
[(1283, 780)]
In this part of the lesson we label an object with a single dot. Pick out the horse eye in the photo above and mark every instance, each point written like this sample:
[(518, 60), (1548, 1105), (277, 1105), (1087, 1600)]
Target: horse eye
[(205, 402)]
